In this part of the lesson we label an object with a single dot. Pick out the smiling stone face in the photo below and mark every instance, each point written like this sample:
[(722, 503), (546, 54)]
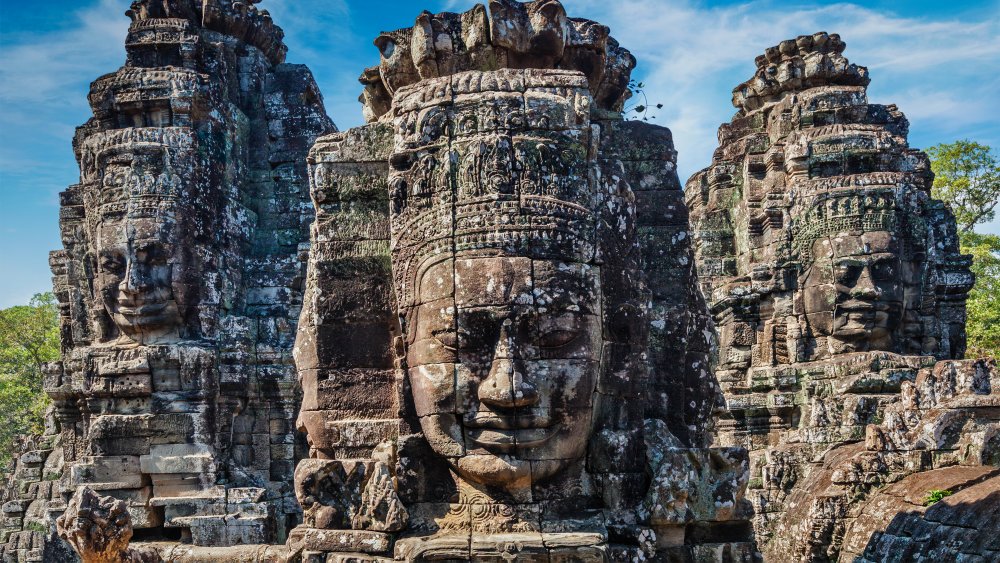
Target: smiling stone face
[(853, 290), (504, 357), (143, 241), (135, 277)]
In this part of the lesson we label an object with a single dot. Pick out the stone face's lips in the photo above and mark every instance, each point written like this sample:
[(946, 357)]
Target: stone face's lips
[(509, 422), (862, 306), (510, 440), (510, 433), (145, 309)]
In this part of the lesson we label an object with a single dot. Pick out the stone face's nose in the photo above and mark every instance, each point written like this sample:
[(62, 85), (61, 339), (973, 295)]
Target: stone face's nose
[(506, 385), (865, 286), (137, 279)]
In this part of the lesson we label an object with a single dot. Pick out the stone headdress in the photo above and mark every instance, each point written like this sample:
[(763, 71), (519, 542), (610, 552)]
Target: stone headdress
[(138, 173), (513, 176), (856, 211)]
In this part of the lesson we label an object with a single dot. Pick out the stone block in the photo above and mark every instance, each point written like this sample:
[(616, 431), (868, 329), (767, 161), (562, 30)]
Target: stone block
[(365, 393), (179, 458), (222, 531), (108, 472), (358, 541), (332, 432)]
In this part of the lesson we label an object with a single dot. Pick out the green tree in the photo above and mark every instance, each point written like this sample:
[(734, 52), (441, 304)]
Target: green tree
[(967, 178), (29, 337), (983, 325)]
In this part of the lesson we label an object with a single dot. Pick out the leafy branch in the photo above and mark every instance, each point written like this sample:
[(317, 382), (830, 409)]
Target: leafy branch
[(641, 108)]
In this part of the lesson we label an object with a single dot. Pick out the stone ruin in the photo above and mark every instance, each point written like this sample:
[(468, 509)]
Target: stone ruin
[(502, 353), (179, 287), (838, 294), (474, 328)]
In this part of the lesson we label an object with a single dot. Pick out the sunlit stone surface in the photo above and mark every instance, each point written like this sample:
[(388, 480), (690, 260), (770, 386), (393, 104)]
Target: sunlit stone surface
[(180, 284), (502, 351), (480, 327), (837, 286)]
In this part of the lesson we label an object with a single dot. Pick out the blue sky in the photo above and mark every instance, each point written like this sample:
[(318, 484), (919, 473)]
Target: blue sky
[(938, 61)]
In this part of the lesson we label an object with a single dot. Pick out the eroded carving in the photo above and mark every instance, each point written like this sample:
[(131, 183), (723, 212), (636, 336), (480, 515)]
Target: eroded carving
[(836, 282), (144, 275), (503, 330), (180, 284), (99, 529), (481, 293), (510, 34), (858, 274)]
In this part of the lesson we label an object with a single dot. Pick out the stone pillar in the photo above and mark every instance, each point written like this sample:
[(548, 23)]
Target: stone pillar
[(180, 281)]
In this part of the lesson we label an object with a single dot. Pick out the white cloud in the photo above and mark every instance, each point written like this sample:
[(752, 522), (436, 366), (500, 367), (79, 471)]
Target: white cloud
[(942, 72), (45, 67), (44, 81), (690, 57)]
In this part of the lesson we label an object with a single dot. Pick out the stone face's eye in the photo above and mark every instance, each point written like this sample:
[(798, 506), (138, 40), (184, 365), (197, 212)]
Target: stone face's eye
[(847, 272), (883, 271), (157, 257), (557, 337), (447, 338), (112, 263), (386, 46), (557, 331)]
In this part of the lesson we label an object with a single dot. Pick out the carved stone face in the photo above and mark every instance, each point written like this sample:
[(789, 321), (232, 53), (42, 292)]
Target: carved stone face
[(504, 357), (137, 260), (853, 291)]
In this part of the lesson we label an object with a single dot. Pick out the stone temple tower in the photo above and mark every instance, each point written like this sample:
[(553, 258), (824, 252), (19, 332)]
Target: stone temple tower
[(838, 291), (489, 324), (502, 350), (180, 282)]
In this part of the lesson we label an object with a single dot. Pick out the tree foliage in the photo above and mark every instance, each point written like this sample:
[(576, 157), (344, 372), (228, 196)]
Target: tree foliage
[(640, 109), (29, 337), (967, 178), (983, 325)]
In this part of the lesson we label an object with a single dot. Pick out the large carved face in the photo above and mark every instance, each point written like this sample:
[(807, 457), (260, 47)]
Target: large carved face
[(137, 258), (504, 357), (853, 290)]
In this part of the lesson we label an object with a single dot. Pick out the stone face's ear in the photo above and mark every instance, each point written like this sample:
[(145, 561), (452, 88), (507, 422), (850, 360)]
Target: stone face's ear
[(477, 39), (551, 10), (422, 47), (375, 99), (500, 8), (587, 50), (500, 11), (396, 68), (476, 26), (386, 45), (509, 27), (550, 31)]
